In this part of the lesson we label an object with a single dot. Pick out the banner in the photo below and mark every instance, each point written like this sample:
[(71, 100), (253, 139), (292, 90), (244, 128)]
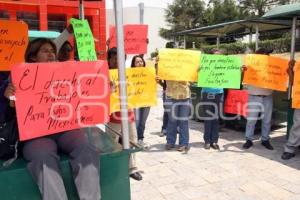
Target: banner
[(266, 72), (178, 64), (296, 87), (219, 71), (135, 38), (84, 40), (60, 96), (236, 102), (141, 88), (13, 43)]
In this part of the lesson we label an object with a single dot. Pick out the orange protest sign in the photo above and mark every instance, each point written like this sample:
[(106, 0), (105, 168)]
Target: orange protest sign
[(13, 43), (266, 72), (135, 38), (56, 97), (296, 87), (236, 102)]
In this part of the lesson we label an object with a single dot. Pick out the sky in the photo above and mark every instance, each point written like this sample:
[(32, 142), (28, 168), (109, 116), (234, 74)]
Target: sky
[(148, 3)]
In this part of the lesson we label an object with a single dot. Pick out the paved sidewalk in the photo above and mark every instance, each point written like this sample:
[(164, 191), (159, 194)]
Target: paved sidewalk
[(231, 174)]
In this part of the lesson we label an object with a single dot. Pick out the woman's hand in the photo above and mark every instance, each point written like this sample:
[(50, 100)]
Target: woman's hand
[(113, 87), (10, 91)]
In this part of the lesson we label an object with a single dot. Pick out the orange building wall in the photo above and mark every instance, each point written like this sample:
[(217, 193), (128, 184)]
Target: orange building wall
[(94, 11)]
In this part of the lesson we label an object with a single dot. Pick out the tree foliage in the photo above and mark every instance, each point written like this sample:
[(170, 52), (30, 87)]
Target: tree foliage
[(259, 7), (188, 14)]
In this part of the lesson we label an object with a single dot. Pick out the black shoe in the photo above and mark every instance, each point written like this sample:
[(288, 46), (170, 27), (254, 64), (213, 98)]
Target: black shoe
[(287, 155), (215, 146), (248, 144), (136, 176), (267, 145)]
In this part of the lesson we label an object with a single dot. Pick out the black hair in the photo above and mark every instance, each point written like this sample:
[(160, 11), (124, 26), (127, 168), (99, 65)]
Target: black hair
[(134, 58), (34, 47), (112, 52)]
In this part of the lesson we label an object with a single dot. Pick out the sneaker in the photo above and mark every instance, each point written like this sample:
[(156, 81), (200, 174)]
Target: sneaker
[(207, 146), (162, 134), (248, 144), (181, 148), (143, 144), (169, 147), (287, 155), (215, 146), (267, 145)]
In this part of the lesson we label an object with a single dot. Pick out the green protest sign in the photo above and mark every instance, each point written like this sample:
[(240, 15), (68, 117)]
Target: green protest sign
[(84, 40), (219, 71)]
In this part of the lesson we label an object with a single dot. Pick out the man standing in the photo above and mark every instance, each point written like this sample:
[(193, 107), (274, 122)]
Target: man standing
[(260, 101)]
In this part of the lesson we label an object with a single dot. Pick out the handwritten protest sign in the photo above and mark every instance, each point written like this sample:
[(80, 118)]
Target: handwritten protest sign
[(219, 71), (84, 40), (55, 97), (141, 88), (236, 102), (178, 64), (13, 43), (135, 38), (296, 87), (266, 72)]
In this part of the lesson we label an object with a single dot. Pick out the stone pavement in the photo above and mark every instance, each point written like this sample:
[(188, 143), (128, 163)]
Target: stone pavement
[(229, 174)]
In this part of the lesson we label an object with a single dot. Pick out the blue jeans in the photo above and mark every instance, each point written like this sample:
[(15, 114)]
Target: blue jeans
[(141, 115), (211, 113), (178, 114), (165, 116), (256, 105)]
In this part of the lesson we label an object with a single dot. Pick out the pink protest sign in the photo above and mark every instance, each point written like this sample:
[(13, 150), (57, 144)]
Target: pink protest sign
[(236, 102), (135, 38), (56, 97)]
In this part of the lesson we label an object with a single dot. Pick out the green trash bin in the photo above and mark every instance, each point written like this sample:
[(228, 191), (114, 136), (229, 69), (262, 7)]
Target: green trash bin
[(17, 184)]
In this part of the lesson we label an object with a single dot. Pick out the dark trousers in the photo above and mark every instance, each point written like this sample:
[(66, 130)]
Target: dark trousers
[(211, 108)]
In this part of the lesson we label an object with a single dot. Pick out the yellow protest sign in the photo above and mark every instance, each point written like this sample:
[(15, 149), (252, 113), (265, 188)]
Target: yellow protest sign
[(266, 72), (296, 87), (141, 88), (13, 43), (178, 64)]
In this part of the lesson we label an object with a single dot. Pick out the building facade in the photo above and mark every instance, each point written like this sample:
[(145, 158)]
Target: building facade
[(54, 15)]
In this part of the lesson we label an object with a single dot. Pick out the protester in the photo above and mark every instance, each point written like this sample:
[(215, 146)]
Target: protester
[(178, 107), (260, 101), (212, 99), (294, 136), (115, 121), (165, 115), (41, 153), (141, 114)]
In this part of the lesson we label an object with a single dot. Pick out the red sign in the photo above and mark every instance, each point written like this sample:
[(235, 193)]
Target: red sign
[(135, 38), (236, 102), (56, 97)]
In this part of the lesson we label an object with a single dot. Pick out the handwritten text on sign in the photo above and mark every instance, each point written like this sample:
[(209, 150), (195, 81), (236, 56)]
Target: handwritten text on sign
[(296, 87), (178, 64), (84, 40), (219, 71), (266, 72), (236, 102), (13, 43), (141, 88), (135, 38), (55, 97)]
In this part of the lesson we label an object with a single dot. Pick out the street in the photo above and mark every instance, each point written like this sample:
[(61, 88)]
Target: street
[(229, 174)]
